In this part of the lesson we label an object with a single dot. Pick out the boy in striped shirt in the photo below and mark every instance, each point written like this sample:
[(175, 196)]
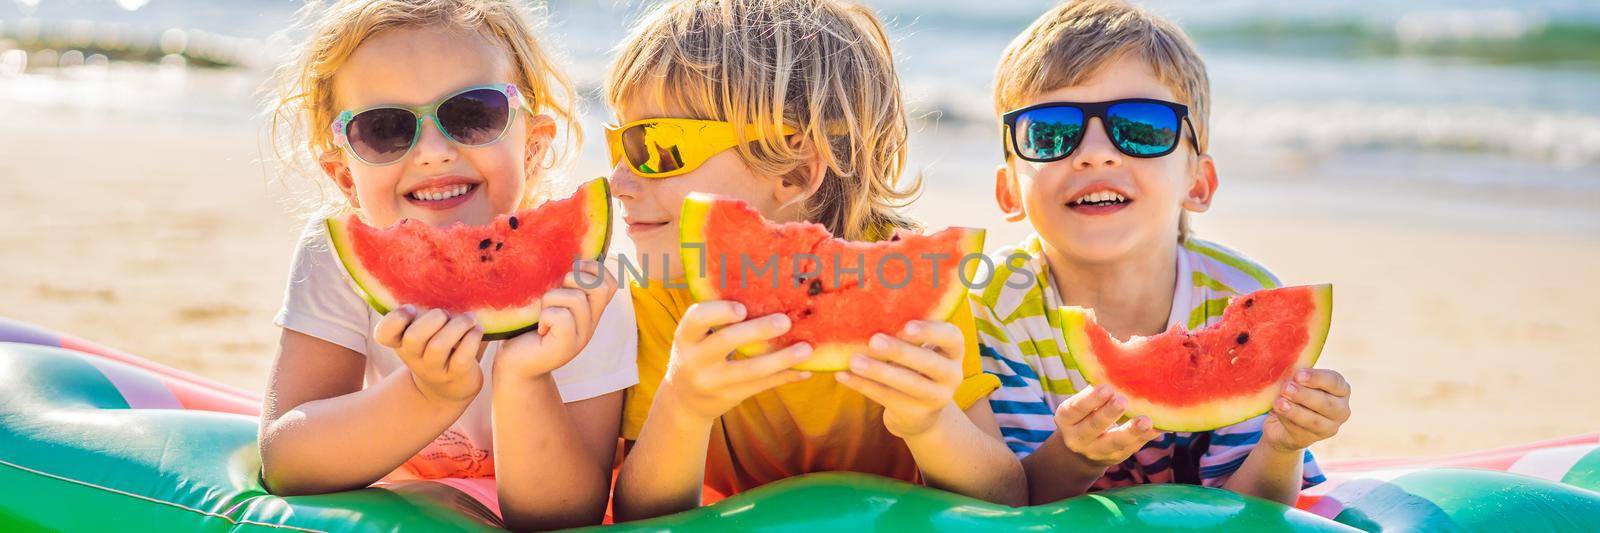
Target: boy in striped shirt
[(1105, 109)]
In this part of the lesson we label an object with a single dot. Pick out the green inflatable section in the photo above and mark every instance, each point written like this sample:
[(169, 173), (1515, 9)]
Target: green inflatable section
[(1585, 474), (74, 457), (853, 502), (1459, 499)]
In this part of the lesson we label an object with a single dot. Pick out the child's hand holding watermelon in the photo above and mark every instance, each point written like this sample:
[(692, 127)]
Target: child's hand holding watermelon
[(1312, 407), (1088, 440), (913, 375), (1087, 424), (440, 351), (703, 382), (565, 325)]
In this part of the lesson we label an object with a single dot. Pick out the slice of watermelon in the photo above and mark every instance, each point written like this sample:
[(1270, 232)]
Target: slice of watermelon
[(837, 293), (498, 271), (1215, 376)]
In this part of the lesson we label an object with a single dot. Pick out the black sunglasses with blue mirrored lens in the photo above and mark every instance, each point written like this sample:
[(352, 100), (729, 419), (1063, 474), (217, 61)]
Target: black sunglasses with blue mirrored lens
[(1138, 127)]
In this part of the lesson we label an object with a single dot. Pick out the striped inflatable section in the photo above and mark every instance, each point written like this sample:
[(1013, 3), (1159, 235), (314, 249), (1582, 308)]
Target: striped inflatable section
[(143, 384), (1520, 459)]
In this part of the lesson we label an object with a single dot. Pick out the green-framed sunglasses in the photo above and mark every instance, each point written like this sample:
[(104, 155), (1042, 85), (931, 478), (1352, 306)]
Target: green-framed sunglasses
[(383, 134)]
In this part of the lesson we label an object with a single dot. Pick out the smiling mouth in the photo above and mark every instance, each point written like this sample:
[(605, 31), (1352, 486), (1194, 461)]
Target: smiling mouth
[(1099, 202), (1100, 199), (439, 194), (442, 197)]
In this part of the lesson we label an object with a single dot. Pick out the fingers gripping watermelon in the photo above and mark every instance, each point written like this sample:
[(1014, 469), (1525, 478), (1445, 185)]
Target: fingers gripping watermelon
[(498, 271), (1215, 376), (836, 293)]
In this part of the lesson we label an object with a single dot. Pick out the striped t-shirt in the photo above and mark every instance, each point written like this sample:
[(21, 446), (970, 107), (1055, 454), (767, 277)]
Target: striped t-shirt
[(1020, 339)]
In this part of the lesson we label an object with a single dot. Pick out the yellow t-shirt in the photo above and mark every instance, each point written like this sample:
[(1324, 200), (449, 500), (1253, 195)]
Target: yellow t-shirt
[(815, 425)]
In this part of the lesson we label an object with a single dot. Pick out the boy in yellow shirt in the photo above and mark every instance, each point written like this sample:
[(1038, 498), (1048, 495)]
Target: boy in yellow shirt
[(805, 93)]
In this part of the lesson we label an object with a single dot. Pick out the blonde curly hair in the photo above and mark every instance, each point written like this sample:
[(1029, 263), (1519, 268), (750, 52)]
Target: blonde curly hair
[(820, 66)]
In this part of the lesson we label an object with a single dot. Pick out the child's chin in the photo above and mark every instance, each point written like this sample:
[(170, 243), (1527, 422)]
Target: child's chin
[(1100, 246), (656, 262), (655, 254)]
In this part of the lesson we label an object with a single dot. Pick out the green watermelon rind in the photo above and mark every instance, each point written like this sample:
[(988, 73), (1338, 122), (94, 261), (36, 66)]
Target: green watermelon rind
[(338, 229), (1210, 415), (497, 324), (828, 357), (691, 231)]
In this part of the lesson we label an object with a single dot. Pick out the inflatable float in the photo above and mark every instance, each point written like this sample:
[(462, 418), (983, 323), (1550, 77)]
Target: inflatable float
[(94, 439)]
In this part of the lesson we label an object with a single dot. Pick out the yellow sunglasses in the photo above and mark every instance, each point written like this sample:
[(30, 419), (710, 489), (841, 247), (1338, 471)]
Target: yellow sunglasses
[(667, 147)]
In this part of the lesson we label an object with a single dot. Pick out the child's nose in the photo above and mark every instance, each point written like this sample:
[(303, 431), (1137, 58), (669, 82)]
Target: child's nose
[(433, 148), (625, 185), (1095, 149)]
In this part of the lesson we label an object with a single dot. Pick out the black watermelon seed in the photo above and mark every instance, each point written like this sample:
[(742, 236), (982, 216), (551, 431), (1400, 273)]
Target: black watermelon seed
[(894, 237), (1250, 302), (499, 245), (1244, 336), (513, 222), (815, 288), (483, 244), (805, 313)]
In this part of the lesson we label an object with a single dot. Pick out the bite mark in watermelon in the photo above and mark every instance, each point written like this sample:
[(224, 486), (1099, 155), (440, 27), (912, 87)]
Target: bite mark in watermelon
[(498, 271), (1214, 376), (836, 293)]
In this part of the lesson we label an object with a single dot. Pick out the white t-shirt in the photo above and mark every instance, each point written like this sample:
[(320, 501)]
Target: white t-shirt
[(321, 302)]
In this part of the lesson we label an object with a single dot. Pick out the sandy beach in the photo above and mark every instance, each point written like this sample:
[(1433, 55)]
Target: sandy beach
[(1459, 314), (163, 241)]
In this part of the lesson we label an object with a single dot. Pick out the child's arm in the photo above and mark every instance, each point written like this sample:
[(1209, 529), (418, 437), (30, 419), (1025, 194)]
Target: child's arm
[(1312, 408), (665, 468), (1088, 440), (321, 432), (914, 377), (553, 460)]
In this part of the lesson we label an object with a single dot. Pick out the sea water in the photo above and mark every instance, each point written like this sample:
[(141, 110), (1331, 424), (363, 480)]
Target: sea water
[(1494, 99)]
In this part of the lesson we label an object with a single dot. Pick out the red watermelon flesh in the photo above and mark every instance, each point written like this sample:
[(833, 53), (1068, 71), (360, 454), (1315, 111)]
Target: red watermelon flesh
[(498, 271), (836, 293), (1215, 376)]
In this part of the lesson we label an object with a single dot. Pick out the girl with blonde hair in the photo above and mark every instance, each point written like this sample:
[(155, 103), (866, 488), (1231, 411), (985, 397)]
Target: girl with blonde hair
[(443, 112)]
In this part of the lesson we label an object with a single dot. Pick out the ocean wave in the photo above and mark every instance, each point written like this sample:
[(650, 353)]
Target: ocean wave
[(1549, 136), (1492, 35), (66, 43), (1563, 139), (1437, 106)]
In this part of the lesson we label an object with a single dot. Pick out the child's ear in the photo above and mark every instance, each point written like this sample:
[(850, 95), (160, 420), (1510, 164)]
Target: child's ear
[(1006, 193), (1202, 184), (541, 132), (803, 182), (332, 163)]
